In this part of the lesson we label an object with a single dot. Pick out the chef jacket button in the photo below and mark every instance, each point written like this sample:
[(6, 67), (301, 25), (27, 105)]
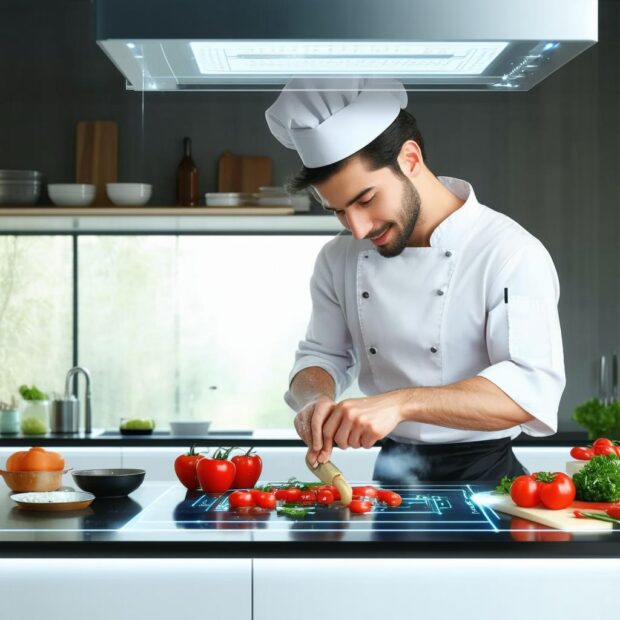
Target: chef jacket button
[(440, 291), (365, 294), (373, 350), (433, 349), (448, 254)]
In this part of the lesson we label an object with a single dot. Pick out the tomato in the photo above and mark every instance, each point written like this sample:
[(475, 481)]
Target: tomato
[(602, 442), (390, 498), (185, 468), (215, 475), (360, 506), (248, 468), (290, 494), (524, 492), (365, 491), (617, 451), (556, 491), (241, 499), (581, 454), (604, 449), (324, 496), (614, 512), (307, 496), (266, 500), (332, 489)]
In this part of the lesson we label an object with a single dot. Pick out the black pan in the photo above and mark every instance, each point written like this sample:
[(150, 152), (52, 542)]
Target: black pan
[(109, 482)]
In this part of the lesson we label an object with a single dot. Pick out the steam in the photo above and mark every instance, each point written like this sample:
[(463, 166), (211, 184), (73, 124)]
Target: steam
[(400, 464)]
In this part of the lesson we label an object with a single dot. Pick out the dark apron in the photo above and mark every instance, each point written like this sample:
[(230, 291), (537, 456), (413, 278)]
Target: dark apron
[(475, 461)]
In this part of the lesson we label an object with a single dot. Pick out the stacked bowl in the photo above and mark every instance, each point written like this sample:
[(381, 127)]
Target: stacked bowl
[(20, 187)]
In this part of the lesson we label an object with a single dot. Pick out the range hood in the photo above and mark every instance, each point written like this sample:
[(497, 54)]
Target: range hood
[(500, 45)]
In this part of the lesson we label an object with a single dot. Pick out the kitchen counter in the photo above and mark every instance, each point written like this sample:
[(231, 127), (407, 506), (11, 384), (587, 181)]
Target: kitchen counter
[(162, 520)]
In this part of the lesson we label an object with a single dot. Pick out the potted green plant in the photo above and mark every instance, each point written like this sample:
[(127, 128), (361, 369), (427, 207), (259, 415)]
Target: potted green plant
[(35, 411), (599, 419), (9, 417)]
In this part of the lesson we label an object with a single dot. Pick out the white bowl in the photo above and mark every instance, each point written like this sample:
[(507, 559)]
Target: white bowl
[(193, 428), (71, 194), (129, 194)]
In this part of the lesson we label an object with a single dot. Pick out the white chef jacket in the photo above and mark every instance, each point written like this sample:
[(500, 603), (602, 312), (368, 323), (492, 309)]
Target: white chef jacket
[(436, 315)]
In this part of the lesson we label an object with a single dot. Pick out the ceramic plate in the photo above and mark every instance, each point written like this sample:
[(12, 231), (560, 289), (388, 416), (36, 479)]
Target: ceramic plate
[(53, 500)]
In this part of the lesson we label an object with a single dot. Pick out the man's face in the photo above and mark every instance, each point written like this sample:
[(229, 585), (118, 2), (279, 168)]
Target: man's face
[(373, 204)]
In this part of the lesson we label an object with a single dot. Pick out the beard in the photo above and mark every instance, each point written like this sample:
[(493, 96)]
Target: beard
[(408, 217)]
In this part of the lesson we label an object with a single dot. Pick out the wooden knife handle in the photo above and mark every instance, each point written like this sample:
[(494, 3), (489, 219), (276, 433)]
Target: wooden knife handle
[(330, 474)]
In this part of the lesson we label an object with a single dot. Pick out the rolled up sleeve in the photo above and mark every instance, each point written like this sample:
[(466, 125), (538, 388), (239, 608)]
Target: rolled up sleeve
[(327, 343), (524, 339)]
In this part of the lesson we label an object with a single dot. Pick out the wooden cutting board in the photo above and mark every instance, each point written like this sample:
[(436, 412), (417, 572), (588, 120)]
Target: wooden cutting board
[(243, 173), (558, 519), (96, 156)]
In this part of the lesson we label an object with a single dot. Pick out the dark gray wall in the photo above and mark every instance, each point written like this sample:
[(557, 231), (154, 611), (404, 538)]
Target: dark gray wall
[(548, 157)]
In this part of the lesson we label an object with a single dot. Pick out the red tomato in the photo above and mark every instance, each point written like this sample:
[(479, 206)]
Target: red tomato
[(324, 496), (360, 506), (556, 491), (581, 454), (266, 500), (617, 451), (390, 498), (185, 469), (524, 492), (604, 449), (241, 499), (365, 491), (334, 491), (290, 494), (215, 475), (614, 512), (602, 441), (248, 469), (307, 496)]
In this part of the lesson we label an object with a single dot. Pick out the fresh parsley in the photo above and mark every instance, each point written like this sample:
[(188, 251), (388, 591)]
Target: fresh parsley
[(503, 488), (599, 479)]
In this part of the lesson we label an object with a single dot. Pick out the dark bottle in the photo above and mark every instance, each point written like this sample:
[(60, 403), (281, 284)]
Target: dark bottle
[(187, 178)]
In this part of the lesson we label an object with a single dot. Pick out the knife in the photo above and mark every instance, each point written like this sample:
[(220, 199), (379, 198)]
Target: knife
[(330, 474)]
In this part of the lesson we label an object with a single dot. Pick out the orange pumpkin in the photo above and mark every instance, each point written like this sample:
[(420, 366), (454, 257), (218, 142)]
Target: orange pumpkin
[(35, 459)]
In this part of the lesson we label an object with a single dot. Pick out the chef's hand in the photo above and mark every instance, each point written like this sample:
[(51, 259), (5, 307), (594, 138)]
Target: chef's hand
[(361, 422), (309, 425)]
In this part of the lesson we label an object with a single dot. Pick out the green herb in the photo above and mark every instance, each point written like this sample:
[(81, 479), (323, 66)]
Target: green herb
[(290, 511), (32, 393), (599, 479), (599, 516), (503, 488), (598, 419)]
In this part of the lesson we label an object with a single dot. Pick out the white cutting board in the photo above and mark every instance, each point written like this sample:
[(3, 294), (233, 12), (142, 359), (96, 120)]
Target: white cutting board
[(558, 519)]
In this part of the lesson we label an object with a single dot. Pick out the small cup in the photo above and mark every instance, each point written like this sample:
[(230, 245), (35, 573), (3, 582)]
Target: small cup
[(9, 422)]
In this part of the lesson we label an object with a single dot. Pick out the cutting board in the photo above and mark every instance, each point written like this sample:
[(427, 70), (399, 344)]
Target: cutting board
[(243, 173), (96, 156), (558, 519)]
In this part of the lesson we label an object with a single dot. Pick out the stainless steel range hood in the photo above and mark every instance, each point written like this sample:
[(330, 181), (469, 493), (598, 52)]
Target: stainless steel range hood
[(495, 45)]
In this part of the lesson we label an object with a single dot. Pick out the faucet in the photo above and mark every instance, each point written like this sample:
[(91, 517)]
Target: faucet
[(88, 421)]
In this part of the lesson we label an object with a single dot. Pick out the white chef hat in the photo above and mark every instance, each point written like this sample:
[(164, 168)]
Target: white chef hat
[(328, 119)]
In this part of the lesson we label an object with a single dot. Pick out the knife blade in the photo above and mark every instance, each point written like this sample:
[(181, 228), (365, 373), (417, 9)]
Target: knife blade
[(330, 474)]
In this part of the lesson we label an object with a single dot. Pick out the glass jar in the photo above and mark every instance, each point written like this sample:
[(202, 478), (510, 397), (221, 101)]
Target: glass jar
[(9, 421), (35, 417)]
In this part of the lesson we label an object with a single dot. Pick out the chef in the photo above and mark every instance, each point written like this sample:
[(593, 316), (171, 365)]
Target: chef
[(442, 308)]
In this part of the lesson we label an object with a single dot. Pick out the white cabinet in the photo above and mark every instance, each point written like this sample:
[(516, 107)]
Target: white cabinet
[(126, 589)]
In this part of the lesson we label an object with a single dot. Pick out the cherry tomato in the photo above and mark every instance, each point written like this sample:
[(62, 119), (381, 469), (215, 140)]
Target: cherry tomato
[(365, 491), (290, 494), (604, 449), (617, 451), (360, 506), (307, 496), (614, 512), (582, 454), (324, 496), (248, 469), (390, 498), (241, 499), (332, 489), (556, 491), (265, 500), (602, 441), (524, 492)]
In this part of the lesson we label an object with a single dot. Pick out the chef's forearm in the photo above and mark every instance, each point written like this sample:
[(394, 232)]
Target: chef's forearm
[(473, 404), (311, 383)]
